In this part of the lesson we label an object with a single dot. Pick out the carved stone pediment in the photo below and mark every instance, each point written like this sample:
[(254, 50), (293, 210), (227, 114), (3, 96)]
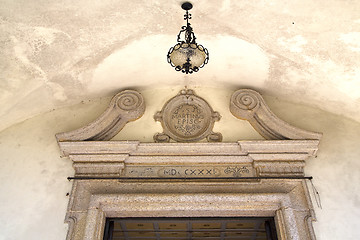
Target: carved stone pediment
[(187, 118), (244, 178)]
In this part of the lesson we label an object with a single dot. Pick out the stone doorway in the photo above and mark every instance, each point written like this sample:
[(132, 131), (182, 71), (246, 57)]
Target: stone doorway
[(132, 179), (186, 228)]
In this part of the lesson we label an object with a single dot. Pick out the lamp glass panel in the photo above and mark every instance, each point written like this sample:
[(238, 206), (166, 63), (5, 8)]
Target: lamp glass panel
[(184, 51)]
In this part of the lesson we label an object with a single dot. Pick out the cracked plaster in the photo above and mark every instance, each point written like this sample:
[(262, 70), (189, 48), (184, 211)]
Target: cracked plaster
[(58, 53)]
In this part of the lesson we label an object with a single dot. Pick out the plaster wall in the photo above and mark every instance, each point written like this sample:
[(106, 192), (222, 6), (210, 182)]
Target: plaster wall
[(67, 51), (33, 185)]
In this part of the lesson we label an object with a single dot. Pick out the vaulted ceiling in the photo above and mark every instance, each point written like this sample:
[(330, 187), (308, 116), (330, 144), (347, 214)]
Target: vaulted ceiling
[(56, 53)]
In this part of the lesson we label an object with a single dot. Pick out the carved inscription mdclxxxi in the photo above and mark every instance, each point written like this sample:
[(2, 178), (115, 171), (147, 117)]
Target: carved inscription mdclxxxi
[(227, 171)]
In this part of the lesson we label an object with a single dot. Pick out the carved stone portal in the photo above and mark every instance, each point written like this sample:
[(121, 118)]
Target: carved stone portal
[(182, 179), (187, 118)]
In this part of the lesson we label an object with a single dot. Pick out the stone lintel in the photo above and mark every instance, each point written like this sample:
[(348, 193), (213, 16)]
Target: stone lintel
[(189, 160)]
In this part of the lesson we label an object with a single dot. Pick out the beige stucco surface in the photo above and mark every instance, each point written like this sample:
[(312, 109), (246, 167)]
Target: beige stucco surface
[(58, 53), (33, 176)]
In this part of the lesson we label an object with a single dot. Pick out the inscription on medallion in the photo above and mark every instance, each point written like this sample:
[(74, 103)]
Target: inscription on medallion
[(188, 120)]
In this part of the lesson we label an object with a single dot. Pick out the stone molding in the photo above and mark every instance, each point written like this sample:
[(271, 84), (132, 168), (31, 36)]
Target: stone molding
[(260, 158), (98, 148), (287, 201), (124, 107), (249, 105)]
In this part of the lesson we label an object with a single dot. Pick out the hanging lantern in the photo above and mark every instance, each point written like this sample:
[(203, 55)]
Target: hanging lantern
[(187, 56)]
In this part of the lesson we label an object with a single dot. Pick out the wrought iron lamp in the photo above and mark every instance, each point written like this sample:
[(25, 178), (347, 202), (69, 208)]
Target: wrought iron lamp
[(187, 56)]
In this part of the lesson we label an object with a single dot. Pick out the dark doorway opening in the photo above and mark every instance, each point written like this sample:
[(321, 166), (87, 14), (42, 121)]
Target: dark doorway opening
[(188, 228)]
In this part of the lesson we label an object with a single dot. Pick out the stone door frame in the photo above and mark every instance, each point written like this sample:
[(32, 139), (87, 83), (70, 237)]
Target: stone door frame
[(93, 200), (131, 179), (293, 221)]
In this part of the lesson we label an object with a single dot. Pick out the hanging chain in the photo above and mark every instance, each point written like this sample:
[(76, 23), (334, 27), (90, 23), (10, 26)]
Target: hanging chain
[(187, 30)]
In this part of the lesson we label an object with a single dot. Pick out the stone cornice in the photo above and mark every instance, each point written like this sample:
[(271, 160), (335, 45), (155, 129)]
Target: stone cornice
[(253, 158), (308, 147)]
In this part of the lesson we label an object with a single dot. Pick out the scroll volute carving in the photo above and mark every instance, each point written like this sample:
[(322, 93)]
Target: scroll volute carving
[(124, 107), (249, 105)]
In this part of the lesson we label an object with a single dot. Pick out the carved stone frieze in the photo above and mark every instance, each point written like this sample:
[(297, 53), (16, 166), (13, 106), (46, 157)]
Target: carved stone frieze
[(124, 107), (249, 105), (187, 118), (189, 160)]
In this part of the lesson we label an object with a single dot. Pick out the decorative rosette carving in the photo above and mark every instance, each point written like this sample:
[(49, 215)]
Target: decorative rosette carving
[(246, 100), (129, 100)]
